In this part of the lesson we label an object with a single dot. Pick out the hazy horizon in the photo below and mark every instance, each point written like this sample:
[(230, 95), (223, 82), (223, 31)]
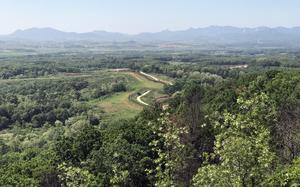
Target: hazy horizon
[(134, 16), (184, 29)]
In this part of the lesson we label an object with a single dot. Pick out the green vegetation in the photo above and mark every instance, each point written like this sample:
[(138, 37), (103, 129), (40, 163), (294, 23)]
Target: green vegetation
[(70, 117)]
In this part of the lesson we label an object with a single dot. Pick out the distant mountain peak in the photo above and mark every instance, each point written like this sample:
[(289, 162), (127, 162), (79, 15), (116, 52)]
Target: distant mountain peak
[(211, 34)]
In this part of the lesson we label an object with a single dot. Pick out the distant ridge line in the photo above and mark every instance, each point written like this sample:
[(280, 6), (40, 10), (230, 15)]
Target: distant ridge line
[(216, 34)]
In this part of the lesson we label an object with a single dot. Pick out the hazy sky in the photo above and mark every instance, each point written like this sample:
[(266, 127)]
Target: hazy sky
[(133, 16)]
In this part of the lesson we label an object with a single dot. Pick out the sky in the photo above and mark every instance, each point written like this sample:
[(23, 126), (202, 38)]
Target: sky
[(135, 16)]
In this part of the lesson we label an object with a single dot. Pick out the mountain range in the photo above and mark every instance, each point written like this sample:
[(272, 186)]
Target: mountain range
[(212, 34)]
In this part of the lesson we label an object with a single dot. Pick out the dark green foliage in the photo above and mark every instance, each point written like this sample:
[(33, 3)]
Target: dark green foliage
[(33, 167), (232, 118), (78, 147), (79, 85), (285, 176), (126, 148), (100, 93), (4, 122), (94, 120), (119, 87), (123, 146)]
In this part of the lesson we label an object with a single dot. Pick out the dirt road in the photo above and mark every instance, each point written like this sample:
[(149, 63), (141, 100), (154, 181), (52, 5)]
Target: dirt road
[(139, 98)]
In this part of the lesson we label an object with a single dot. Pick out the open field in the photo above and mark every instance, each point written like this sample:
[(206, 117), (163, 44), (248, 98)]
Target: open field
[(121, 105)]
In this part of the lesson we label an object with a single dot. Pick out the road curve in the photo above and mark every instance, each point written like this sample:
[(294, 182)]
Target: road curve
[(139, 98)]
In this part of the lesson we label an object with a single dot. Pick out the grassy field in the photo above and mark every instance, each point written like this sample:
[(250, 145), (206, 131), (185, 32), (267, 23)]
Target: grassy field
[(120, 106)]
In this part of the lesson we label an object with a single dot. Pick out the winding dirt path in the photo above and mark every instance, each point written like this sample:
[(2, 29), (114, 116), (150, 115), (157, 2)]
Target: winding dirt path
[(141, 76), (139, 98)]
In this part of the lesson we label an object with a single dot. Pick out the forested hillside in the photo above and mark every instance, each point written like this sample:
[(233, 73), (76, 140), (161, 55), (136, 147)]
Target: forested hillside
[(219, 117)]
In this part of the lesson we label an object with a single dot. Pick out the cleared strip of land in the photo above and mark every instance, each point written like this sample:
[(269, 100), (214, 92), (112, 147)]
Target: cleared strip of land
[(151, 77)]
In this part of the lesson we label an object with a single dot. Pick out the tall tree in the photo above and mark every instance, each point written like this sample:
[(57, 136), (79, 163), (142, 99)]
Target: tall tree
[(242, 147)]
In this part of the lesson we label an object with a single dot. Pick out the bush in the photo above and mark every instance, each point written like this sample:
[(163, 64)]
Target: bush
[(119, 87)]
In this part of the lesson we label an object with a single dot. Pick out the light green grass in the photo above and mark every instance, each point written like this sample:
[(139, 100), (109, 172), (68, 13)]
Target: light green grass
[(119, 106)]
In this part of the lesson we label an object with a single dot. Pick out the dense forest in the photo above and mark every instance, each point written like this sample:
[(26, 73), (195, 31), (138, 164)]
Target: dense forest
[(230, 117)]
